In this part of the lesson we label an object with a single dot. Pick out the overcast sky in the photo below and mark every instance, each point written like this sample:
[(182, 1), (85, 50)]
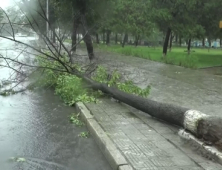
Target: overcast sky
[(6, 3)]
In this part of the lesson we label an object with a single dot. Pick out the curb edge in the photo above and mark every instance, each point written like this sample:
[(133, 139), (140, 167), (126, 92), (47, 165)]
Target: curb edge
[(212, 151), (114, 157)]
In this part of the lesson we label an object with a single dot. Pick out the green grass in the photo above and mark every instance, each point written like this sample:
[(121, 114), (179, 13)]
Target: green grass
[(199, 58)]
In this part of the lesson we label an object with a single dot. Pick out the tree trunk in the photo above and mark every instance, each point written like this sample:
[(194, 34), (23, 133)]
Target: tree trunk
[(137, 40), (116, 38), (97, 38), (203, 42), (108, 32), (201, 125), (53, 36), (170, 113), (76, 24), (188, 47), (125, 39), (165, 45), (87, 38), (220, 42)]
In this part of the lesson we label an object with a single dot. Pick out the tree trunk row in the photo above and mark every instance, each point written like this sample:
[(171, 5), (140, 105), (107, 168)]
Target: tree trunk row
[(166, 42), (80, 19), (97, 38), (125, 39), (189, 45), (76, 24), (108, 32), (137, 40)]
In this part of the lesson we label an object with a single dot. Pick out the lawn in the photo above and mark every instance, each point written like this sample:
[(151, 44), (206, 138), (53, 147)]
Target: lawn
[(199, 58)]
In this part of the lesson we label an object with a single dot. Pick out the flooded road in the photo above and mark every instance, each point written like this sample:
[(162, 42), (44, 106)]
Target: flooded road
[(194, 89), (36, 128)]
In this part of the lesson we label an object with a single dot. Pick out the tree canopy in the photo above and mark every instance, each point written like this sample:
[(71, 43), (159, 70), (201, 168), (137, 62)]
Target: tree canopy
[(187, 19)]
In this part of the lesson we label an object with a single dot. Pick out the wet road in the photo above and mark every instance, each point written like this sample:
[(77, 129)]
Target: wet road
[(194, 89), (36, 127)]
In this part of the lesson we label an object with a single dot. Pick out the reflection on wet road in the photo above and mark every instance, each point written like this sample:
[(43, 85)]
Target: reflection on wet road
[(195, 89), (35, 126)]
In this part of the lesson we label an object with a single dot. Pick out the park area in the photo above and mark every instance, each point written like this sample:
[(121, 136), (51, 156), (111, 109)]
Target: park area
[(198, 58)]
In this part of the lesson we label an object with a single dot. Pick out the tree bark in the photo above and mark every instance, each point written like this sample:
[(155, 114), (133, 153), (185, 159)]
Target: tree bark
[(188, 47), (125, 39), (165, 45), (137, 40), (209, 129), (170, 113), (76, 24), (201, 125), (87, 38), (108, 32), (97, 38)]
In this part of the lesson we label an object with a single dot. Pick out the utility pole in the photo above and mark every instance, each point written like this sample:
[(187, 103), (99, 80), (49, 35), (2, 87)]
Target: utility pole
[(47, 17)]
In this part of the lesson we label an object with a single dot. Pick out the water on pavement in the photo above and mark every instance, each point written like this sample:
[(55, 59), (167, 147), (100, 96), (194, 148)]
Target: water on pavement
[(194, 89), (36, 127)]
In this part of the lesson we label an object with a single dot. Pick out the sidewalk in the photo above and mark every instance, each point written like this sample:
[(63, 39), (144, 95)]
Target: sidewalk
[(195, 89), (146, 143)]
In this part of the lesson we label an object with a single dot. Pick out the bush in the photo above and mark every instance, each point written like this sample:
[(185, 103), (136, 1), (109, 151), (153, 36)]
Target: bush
[(115, 80), (71, 88)]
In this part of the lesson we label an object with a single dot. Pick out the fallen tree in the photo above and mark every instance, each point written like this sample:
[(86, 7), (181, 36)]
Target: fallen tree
[(205, 127), (201, 125)]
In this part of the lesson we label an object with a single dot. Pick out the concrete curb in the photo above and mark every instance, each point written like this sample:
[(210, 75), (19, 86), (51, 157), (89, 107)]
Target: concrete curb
[(213, 152), (110, 151)]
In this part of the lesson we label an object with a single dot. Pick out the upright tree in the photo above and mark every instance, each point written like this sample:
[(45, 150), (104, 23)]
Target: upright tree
[(168, 14)]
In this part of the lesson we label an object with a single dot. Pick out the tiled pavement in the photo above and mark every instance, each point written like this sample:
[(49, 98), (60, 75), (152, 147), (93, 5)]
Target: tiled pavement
[(147, 143)]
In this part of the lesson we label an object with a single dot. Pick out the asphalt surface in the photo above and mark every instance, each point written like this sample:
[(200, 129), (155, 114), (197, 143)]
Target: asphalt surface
[(35, 128)]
